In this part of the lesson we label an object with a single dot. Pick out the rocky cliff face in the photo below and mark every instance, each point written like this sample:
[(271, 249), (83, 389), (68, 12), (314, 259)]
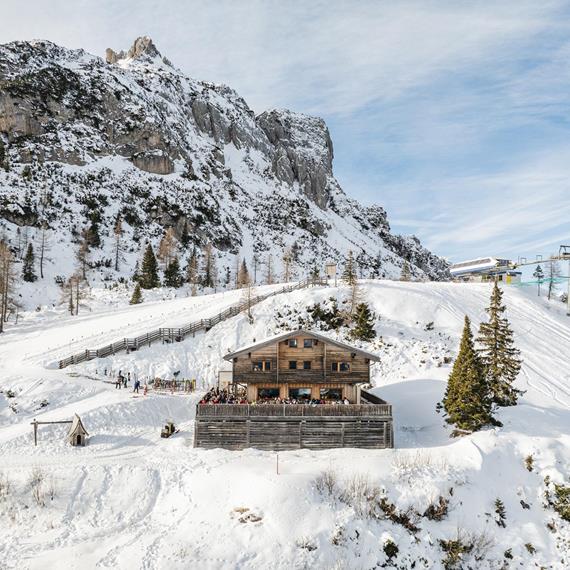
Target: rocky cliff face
[(83, 140)]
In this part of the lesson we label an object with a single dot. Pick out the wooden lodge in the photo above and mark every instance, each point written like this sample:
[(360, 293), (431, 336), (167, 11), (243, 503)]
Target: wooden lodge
[(303, 390)]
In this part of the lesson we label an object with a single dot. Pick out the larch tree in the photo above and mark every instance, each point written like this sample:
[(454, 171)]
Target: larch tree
[(467, 403), (7, 282), (349, 272), (209, 269), (236, 272), (118, 245), (499, 357), (148, 277), (255, 264), (192, 277), (137, 296), (406, 274), (287, 265), (243, 275), (28, 266), (269, 273), (167, 247), (83, 251)]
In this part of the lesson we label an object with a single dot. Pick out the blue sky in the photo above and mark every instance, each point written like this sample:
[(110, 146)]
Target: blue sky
[(452, 115)]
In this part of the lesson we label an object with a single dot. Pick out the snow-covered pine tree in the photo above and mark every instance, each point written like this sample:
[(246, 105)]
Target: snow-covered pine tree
[(172, 277), (349, 272), (28, 269), (137, 296), (498, 354), (363, 323), (148, 277), (539, 276), (406, 274), (467, 403)]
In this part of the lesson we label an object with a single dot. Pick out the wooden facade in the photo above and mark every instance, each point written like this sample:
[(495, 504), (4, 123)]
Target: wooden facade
[(295, 367)]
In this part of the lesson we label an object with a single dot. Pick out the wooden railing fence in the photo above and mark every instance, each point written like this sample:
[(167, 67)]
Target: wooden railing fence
[(178, 334)]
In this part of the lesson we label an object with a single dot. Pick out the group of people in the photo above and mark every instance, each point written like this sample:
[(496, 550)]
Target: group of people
[(122, 381), (223, 396), (217, 396)]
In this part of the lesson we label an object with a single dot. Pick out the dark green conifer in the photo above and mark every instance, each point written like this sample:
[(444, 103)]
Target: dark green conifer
[(28, 271), (172, 277), (498, 354), (148, 277), (363, 323), (466, 402)]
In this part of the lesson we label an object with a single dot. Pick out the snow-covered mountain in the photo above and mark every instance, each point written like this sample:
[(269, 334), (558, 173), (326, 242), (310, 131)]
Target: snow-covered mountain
[(83, 139)]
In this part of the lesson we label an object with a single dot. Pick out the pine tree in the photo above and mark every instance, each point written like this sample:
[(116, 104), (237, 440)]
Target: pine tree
[(28, 271), (466, 402), (83, 251), (498, 355), (209, 270), (406, 274), (136, 272), (539, 276), (349, 273), (287, 265), (363, 323), (137, 297), (185, 236), (172, 277), (148, 278)]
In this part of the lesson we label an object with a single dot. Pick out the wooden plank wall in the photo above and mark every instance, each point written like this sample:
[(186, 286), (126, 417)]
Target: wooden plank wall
[(277, 434)]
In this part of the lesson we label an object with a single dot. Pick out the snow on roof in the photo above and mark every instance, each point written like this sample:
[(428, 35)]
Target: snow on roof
[(299, 332), (76, 424), (481, 264)]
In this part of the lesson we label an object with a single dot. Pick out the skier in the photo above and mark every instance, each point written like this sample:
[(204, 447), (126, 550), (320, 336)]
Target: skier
[(137, 386), (125, 381)]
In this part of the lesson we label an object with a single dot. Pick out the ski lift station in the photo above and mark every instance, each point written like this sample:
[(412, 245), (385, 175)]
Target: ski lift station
[(486, 269)]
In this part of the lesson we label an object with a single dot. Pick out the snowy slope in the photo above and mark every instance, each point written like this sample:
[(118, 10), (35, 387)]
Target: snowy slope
[(131, 500)]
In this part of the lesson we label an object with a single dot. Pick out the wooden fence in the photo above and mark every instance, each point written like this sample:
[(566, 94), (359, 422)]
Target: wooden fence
[(177, 334), (291, 410)]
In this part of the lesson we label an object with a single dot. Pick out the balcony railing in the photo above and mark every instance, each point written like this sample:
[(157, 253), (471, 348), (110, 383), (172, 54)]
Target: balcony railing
[(292, 410)]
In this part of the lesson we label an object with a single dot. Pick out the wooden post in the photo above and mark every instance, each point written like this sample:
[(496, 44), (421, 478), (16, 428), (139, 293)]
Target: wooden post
[(35, 424)]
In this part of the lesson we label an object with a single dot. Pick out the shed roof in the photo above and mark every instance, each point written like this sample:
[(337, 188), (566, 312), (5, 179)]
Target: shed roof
[(76, 425), (299, 332)]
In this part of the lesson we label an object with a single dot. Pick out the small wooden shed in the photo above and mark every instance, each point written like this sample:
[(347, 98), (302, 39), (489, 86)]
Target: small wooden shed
[(77, 434)]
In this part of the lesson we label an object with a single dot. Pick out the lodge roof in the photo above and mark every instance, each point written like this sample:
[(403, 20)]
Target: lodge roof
[(299, 332)]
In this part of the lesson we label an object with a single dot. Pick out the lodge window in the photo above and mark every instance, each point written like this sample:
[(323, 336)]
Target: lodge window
[(308, 343), (267, 393), (331, 394), (307, 365), (292, 365), (292, 343), (262, 366), (340, 367), (300, 393)]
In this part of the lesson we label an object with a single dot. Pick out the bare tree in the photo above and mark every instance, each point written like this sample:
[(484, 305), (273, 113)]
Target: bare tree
[(247, 301), (269, 277), (287, 265), (43, 245), (244, 279), (209, 269), (552, 273), (82, 253), (236, 272), (118, 232), (73, 292), (168, 246), (255, 264), (7, 282), (192, 271), (355, 297)]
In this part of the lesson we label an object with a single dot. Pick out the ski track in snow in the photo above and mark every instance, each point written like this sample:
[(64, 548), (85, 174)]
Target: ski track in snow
[(130, 500)]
